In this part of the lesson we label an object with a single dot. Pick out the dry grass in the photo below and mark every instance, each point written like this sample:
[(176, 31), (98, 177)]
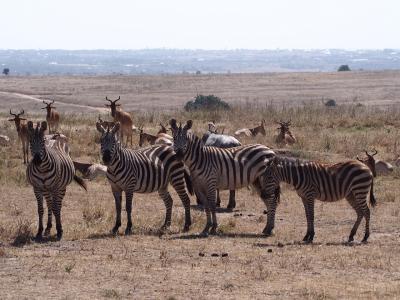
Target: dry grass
[(90, 263)]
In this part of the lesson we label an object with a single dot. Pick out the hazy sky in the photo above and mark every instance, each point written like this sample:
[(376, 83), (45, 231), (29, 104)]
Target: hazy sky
[(201, 24)]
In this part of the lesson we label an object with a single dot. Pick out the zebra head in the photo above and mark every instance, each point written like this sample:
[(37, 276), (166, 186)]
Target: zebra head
[(36, 141), (109, 142), (181, 137), (269, 181)]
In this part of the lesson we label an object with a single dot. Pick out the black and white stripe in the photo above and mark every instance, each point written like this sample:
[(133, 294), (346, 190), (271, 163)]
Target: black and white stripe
[(214, 168), (143, 171), (50, 172), (352, 180)]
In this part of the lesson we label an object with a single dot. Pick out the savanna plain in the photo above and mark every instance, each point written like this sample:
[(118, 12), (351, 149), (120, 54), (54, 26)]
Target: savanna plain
[(90, 263)]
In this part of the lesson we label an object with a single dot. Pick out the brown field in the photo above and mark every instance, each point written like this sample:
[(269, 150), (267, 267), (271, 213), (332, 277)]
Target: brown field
[(90, 263)]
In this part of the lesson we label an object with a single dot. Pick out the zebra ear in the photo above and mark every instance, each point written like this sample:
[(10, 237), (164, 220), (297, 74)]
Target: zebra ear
[(116, 127), (43, 126), (188, 125), (173, 124), (100, 128)]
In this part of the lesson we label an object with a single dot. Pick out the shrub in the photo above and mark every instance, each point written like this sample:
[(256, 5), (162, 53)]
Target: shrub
[(209, 102), (344, 68)]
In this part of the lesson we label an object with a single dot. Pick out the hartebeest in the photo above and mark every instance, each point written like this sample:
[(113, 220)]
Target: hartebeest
[(252, 131), (160, 138), (285, 136), (378, 167), (106, 124), (123, 118), (22, 130), (52, 117)]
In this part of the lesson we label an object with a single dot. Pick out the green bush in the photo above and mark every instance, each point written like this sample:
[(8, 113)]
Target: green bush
[(344, 68), (209, 102)]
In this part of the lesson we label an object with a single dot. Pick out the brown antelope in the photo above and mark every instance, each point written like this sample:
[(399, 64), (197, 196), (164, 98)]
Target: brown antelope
[(123, 118), (285, 136), (106, 124), (52, 117), (379, 167), (161, 138), (252, 131), (22, 130)]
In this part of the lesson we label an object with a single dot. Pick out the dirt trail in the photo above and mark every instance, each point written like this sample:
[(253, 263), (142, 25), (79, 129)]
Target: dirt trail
[(24, 96)]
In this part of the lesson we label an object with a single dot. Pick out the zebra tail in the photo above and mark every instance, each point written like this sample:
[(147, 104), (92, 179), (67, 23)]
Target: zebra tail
[(372, 199), (188, 180), (81, 167), (81, 182)]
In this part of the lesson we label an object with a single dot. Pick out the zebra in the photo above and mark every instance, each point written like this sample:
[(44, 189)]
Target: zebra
[(144, 170), (352, 180), (214, 168), (49, 172), (212, 138)]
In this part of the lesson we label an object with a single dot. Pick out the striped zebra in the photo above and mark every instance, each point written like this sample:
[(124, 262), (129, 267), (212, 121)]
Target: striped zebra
[(143, 171), (49, 172), (214, 168), (352, 180)]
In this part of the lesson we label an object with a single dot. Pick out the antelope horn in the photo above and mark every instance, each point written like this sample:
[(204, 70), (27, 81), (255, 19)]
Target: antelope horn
[(119, 97), (12, 113), (108, 99), (52, 102), (21, 113), (376, 152)]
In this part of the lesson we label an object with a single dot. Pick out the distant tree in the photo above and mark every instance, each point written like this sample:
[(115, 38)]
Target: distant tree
[(198, 72), (209, 102), (344, 68), (6, 71), (329, 102)]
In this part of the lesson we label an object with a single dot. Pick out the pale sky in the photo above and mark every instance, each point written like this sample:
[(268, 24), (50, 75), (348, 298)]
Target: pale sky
[(200, 24)]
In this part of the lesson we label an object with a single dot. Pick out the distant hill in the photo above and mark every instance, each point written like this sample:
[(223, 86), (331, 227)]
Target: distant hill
[(172, 61)]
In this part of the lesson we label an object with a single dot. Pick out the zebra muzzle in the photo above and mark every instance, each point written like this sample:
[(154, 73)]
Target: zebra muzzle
[(36, 159), (106, 157)]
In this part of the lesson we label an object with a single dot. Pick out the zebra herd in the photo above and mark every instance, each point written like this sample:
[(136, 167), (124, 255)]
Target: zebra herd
[(190, 166)]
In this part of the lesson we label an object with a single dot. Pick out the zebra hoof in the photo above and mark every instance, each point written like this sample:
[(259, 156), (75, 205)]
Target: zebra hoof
[(186, 228), (128, 231), (59, 236), (38, 238), (267, 233), (204, 233), (350, 240), (47, 232), (213, 231)]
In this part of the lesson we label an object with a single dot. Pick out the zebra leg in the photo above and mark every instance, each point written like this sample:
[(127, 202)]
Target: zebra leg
[(309, 208), (232, 201), (360, 213), (49, 215), (180, 189), (208, 214), (166, 197), (218, 204), (118, 200), (367, 216), (211, 199), (57, 198), (271, 204), (129, 197), (39, 199)]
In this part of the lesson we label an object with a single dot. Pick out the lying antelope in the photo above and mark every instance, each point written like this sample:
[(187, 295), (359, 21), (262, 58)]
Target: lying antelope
[(285, 136), (52, 117), (252, 131), (378, 167), (160, 138), (22, 130), (123, 118), (106, 124)]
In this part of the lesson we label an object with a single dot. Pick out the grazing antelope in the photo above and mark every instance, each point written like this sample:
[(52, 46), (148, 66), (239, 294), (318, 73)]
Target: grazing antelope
[(52, 117), (214, 168), (49, 172), (378, 167), (22, 130), (352, 180), (123, 118), (285, 136), (145, 170), (252, 131), (159, 139)]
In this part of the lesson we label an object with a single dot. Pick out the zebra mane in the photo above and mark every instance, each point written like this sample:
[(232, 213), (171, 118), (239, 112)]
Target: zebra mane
[(285, 160)]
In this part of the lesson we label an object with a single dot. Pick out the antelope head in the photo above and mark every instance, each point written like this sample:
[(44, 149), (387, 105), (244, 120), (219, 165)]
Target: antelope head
[(113, 105), (48, 107), (17, 119), (369, 161)]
